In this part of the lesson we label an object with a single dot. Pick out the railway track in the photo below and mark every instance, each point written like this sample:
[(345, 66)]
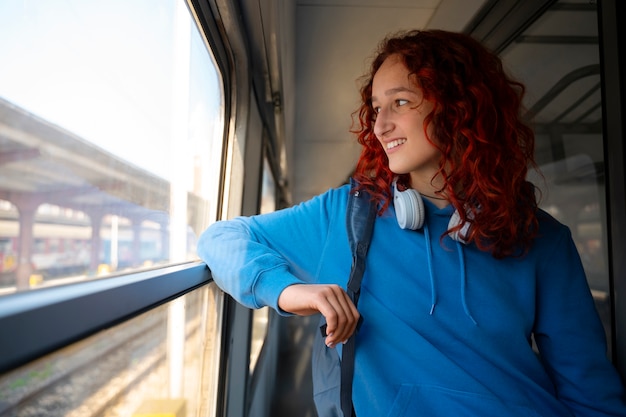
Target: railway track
[(106, 375)]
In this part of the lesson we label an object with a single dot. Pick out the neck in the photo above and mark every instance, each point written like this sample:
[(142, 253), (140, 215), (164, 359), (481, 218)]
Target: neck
[(437, 201), (434, 197), (426, 181)]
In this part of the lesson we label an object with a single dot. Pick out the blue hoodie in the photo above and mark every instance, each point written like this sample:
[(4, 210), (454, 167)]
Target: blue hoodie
[(446, 327)]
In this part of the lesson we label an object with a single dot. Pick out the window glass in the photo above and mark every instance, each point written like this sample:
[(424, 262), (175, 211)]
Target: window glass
[(162, 363), (111, 129), (558, 60)]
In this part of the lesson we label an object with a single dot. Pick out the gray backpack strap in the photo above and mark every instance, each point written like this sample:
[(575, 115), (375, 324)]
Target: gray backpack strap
[(360, 218), (332, 377)]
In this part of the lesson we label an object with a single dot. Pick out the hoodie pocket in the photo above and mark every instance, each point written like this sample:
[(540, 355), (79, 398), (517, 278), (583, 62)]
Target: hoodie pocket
[(433, 401)]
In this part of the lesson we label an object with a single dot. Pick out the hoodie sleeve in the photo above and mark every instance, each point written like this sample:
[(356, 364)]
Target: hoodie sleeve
[(254, 258), (570, 336)]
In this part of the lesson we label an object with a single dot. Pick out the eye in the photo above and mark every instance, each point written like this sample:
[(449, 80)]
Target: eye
[(401, 102), (374, 114)]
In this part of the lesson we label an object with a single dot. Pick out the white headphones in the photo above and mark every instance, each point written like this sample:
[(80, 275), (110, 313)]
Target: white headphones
[(410, 213)]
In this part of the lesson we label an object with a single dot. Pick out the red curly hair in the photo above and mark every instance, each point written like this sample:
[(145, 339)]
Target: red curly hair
[(476, 123)]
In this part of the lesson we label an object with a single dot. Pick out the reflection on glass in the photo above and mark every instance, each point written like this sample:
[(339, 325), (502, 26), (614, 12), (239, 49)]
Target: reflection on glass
[(126, 370), (268, 189), (110, 140), (260, 321), (558, 60)]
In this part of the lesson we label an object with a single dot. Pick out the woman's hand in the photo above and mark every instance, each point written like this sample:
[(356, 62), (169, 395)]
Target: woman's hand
[(330, 300)]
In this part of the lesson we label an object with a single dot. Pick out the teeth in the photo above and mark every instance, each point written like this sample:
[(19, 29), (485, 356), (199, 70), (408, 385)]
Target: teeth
[(395, 143)]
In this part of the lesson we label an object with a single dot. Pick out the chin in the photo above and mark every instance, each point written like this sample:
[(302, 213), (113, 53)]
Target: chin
[(398, 170)]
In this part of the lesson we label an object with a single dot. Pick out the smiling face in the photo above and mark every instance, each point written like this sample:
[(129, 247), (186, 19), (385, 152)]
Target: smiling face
[(400, 112)]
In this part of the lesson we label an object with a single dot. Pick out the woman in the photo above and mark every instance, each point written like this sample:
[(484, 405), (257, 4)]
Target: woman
[(463, 269)]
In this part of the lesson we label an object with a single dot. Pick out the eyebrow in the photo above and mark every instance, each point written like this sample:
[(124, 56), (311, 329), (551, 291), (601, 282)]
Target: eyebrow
[(395, 90)]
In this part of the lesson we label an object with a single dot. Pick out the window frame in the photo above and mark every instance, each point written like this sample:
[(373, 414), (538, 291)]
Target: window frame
[(612, 42), (37, 322), (40, 321)]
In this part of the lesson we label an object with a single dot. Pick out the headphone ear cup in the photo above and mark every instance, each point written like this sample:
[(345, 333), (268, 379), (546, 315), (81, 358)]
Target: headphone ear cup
[(409, 208), (458, 235)]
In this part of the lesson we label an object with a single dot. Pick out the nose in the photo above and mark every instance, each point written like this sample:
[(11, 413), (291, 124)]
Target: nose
[(383, 123)]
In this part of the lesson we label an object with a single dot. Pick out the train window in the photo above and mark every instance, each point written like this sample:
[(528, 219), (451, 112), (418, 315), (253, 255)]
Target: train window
[(111, 131), (558, 59), (260, 317), (163, 362)]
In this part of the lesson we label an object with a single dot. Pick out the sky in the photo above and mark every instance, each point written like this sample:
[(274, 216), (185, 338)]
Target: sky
[(104, 70)]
